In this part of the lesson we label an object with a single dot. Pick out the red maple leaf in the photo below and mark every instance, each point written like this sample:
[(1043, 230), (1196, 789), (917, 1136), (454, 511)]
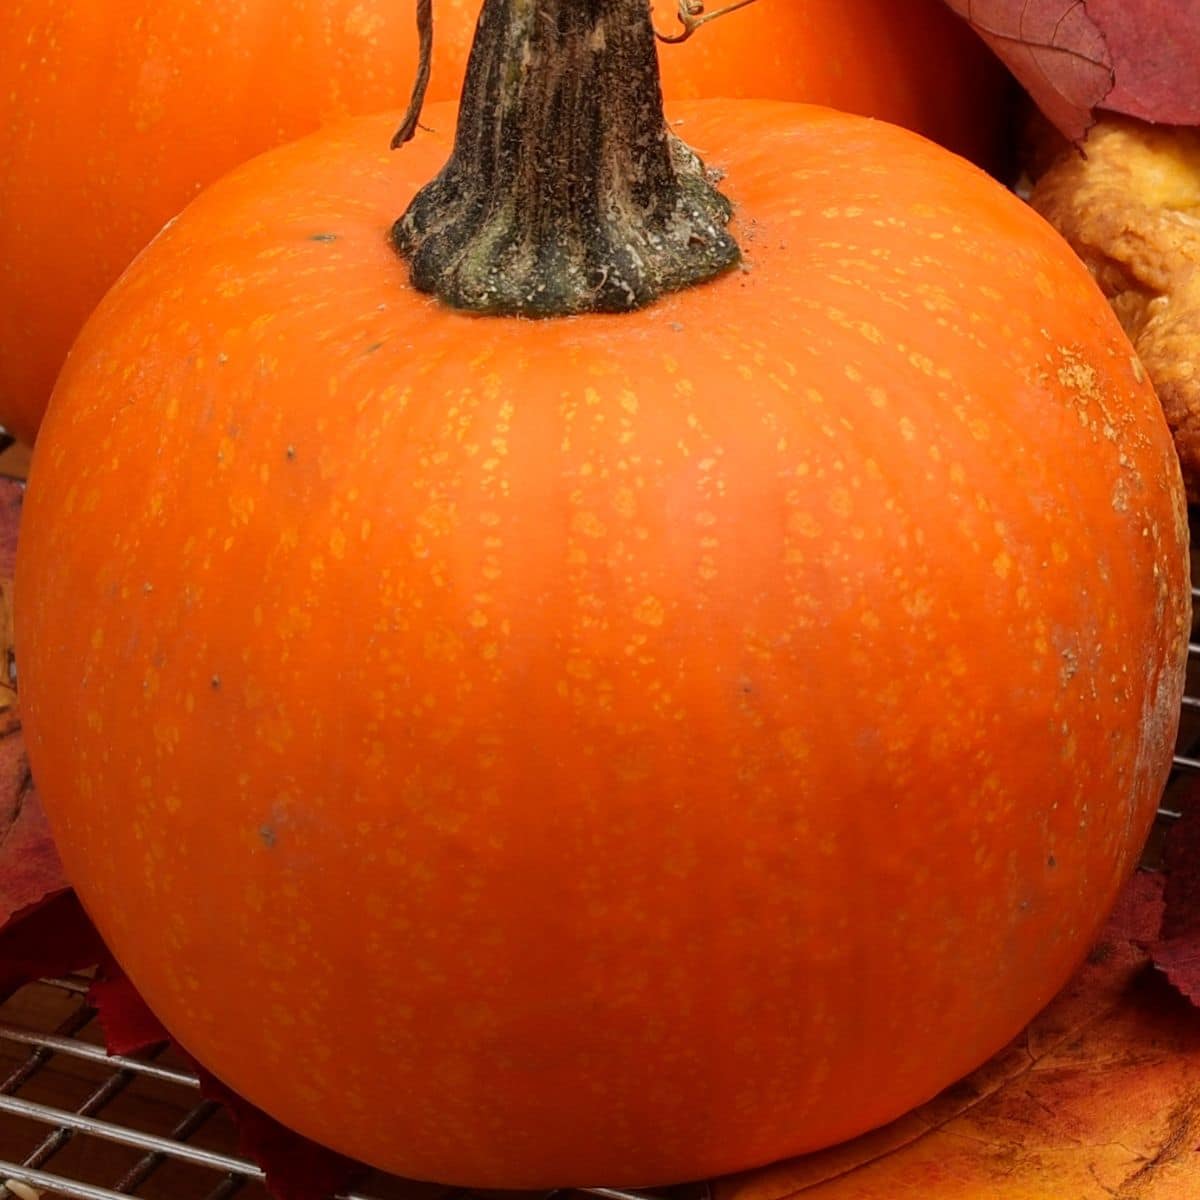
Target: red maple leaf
[(30, 872), (56, 938), (1155, 49), (295, 1168), (1137, 57), (1176, 952)]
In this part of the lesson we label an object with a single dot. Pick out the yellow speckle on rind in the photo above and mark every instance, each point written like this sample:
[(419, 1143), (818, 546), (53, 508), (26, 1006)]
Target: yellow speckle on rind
[(649, 611)]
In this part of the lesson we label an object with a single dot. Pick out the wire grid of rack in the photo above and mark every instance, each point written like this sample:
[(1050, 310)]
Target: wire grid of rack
[(80, 1124), (107, 1127)]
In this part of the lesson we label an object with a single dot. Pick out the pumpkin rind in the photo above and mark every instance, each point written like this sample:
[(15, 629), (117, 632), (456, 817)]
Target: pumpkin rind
[(113, 116), (611, 750)]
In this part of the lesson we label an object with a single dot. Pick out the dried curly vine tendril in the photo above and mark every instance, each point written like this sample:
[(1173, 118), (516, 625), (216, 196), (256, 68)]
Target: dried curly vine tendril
[(412, 118), (692, 16)]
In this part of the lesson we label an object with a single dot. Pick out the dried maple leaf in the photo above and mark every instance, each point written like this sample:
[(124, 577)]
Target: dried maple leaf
[(30, 871), (296, 1169), (1177, 950), (1099, 1097), (1054, 48), (1136, 57), (1155, 50), (12, 493), (129, 1025), (54, 939)]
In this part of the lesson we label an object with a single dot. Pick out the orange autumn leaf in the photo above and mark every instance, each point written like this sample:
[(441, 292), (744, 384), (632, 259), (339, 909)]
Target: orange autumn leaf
[(1098, 1098)]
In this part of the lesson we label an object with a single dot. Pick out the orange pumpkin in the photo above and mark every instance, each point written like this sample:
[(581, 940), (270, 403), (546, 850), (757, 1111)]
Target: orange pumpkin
[(618, 749), (113, 115)]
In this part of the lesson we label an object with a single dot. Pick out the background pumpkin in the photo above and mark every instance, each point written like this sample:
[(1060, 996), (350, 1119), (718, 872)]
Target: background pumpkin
[(589, 730), (113, 115)]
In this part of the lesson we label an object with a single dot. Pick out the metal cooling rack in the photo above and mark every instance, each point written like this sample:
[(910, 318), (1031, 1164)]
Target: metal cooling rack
[(52, 1128), (189, 1158)]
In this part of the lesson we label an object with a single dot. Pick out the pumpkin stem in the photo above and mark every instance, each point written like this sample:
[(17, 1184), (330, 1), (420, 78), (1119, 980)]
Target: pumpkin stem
[(565, 192)]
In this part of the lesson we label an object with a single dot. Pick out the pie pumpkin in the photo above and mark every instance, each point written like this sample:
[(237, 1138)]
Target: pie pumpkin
[(613, 748)]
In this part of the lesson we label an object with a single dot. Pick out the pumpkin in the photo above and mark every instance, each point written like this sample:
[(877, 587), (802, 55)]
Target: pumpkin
[(611, 749), (114, 115)]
